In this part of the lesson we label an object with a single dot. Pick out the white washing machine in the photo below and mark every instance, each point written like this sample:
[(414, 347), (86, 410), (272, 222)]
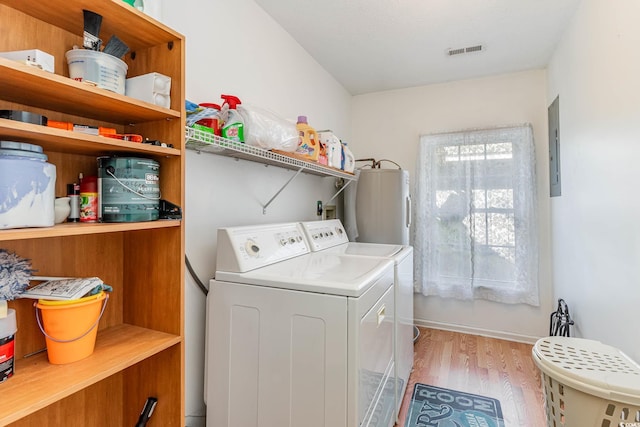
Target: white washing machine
[(296, 338), (329, 236)]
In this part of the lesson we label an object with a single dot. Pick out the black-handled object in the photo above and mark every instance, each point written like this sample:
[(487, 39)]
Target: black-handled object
[(92, 24), (149, 406)]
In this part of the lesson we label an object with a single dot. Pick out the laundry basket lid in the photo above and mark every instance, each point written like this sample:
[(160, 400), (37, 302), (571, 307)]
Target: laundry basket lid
[(589, 366)]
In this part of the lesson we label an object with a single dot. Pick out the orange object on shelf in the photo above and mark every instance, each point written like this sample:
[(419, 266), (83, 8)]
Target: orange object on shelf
[(60, 125), (91, 130), (125, 136)]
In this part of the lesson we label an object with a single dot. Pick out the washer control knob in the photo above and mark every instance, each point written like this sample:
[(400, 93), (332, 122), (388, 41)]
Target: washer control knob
[(252, 248)]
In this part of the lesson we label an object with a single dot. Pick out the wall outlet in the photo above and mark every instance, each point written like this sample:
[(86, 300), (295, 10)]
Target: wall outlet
[(330, 212)]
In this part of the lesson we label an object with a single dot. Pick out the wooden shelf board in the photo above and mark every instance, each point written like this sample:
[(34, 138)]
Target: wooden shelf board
[(37, 383), (135, 28), (77, 229), (75, 142), (31, 86)]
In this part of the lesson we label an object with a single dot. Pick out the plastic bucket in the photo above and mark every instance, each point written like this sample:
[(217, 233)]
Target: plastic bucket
[(8, 329), (129, 189), (27, 186), (106, 71), (70, 327)]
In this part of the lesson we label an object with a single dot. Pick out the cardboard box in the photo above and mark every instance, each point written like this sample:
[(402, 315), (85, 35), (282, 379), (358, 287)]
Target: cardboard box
[(33, 57)]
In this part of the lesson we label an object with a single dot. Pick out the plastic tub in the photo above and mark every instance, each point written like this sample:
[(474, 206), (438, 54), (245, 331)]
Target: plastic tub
[(106, 71), (27, 186), (587, 383)]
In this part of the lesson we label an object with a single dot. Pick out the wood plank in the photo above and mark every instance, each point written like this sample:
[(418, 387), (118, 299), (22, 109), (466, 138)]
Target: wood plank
[(135, 28), (473, 364), (52, 139), (79, 229), (31, 86), (116, 349)]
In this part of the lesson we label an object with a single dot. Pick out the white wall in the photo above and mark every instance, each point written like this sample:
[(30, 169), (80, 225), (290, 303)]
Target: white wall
[(234, 47), (596, 231), (389, 124)]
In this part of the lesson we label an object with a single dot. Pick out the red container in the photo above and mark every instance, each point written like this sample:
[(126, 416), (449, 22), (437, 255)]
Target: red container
[(89, 199), (211, 122)]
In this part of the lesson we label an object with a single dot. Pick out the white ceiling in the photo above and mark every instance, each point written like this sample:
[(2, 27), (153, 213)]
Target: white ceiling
[(376, 45)]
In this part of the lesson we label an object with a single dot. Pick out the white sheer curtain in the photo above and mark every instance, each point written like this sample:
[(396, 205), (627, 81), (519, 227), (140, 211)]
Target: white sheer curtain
[(475, 232)]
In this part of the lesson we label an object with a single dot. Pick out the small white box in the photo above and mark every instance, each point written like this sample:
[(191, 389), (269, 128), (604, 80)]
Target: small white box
[(34, 57), (154, 88)]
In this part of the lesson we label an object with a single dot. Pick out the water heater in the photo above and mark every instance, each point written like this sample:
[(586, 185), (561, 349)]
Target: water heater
[(383, 206)]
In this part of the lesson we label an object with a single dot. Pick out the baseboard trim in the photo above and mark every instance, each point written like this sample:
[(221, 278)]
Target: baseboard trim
[(527, 339)]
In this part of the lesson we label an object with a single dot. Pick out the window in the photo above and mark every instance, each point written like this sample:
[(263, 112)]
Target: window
[(475, 234)]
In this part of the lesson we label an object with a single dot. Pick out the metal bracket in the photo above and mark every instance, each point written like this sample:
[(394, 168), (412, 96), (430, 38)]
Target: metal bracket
[(264, 208), (336, 195)]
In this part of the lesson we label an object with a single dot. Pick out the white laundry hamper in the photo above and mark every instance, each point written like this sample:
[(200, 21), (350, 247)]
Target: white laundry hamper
[(587, 383)]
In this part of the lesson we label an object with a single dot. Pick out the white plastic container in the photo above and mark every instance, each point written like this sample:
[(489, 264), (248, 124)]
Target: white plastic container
[(32, 57), (106, 71), (349, 160), (154, 88), (333, 148), (8, 329), (27, 186)]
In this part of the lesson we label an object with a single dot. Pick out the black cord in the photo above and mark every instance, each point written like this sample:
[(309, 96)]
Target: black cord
[(386, 160), (195, 277), (373, 162)]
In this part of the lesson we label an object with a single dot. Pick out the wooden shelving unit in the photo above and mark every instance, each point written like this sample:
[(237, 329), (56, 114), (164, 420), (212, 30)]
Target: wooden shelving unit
[(140, 346)]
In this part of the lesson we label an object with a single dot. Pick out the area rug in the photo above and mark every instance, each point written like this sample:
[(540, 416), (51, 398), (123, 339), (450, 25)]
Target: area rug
[(440, 407)]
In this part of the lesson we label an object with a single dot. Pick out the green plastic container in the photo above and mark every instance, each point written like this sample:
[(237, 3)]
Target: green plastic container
[(129, 189)]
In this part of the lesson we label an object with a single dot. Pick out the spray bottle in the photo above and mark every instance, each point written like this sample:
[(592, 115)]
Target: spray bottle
[(233, 127)]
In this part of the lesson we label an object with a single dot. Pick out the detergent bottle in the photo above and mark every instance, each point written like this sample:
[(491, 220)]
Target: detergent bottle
[(349, 161), (333, 148), (233, 127), (308, 141)]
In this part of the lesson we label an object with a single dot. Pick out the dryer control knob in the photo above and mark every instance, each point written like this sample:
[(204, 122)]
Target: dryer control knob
[(251, 248)]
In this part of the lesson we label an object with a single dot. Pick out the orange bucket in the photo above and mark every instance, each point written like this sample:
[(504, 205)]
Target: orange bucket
[(70, 327)]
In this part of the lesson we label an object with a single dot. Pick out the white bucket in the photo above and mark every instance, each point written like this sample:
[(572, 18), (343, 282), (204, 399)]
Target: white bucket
[(27, 186), (106, 71)]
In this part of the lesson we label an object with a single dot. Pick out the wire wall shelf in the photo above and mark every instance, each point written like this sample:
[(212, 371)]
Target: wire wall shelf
[(206, 142)]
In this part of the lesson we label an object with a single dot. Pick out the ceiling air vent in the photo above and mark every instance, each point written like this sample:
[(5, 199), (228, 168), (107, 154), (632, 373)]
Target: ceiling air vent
[(461, 50)]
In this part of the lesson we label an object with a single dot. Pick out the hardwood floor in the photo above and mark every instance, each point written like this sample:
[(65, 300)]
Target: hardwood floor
[(487, 366)]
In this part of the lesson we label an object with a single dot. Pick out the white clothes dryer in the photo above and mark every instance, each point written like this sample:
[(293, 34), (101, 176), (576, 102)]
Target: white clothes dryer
[(329, 236), (296, 338)]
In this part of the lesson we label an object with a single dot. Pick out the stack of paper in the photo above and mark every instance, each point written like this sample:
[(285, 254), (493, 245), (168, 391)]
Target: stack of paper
[(63, 289)]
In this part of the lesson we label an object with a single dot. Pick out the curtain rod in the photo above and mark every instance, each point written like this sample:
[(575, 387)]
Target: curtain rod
[(478, 129)]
